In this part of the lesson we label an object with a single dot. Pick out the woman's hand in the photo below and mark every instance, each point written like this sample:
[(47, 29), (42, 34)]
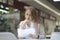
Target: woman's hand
[(33, 36), (24, 23)]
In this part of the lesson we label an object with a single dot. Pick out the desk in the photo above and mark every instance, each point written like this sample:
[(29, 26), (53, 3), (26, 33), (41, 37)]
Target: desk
[(33, 39)]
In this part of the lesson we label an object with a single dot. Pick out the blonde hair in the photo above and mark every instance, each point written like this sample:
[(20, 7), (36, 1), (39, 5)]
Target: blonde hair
[(34, 14)]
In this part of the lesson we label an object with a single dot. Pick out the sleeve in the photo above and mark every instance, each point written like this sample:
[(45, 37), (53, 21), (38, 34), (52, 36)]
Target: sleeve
[(21, 31)]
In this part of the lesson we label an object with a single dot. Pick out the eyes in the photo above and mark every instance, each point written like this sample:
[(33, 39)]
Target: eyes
[(28, 14)]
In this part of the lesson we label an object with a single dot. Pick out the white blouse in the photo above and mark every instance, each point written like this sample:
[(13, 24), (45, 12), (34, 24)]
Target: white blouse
[(25, 32)]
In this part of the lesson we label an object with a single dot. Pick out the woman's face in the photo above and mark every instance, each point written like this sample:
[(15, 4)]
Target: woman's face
[(28, 15)]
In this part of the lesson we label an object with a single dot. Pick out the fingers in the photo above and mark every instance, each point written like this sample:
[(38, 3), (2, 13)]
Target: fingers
[(33, 36)]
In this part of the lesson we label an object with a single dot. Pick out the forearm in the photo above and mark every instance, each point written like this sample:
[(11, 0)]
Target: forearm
[(34, 36)]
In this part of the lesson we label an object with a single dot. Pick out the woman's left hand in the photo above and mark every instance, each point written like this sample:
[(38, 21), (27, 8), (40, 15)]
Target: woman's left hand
[(33, 36)]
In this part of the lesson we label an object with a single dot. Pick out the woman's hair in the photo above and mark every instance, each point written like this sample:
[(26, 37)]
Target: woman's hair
[(34, 14)]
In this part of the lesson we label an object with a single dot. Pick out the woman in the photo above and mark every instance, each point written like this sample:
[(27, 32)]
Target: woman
[(31, 26)]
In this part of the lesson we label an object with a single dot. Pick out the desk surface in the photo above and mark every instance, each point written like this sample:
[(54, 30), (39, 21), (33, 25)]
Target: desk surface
[(33, 39)]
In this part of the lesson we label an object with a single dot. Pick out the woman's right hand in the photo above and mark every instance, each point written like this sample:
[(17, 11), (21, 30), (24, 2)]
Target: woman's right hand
[(23, 24)]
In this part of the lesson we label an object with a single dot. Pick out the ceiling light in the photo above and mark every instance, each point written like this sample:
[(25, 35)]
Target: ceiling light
[(4, 11), (56, 0), (15, 10), (7, 8), (1, 6)]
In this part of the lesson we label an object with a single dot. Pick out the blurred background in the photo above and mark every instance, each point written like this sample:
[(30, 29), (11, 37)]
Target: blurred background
[(12, 11)]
